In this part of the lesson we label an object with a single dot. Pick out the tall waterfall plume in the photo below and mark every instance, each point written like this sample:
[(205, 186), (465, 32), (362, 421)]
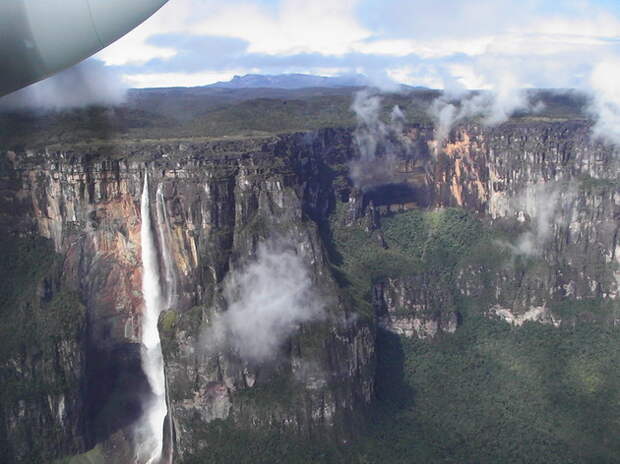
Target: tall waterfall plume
[(151, 428)]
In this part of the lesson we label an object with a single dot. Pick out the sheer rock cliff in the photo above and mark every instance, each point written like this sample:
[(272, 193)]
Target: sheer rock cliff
[(551, 191)]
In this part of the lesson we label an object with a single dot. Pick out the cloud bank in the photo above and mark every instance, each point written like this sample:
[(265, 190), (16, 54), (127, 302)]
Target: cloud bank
[(87, 83), (501, 46), (267, 301)]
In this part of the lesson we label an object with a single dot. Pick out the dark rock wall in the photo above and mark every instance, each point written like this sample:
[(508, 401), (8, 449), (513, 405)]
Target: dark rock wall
[(551, 188), (224, 198)]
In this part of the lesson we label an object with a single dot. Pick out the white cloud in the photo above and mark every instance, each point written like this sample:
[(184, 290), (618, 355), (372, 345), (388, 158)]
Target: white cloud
[(183, 79), (267, 301), (333, 27), (429, 48), (377, 143), (605, 82), (464, 76), (421, 75), (597, 24), (543, 207), (293, 27), (499, 45), (328, 27), (173, 17)]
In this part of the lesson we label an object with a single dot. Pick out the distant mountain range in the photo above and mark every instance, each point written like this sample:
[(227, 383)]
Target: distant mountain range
[(291, 81)]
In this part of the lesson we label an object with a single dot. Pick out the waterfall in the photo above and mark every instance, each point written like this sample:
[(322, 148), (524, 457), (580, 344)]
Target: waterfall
[(151, 429), (163, 229), (165, 240)]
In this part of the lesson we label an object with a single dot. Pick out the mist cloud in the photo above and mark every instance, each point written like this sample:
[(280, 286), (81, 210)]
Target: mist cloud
[(505, 80), (491, 107), (544, 207), (378, 143), (87, 83), (267, 301), (605, 106)]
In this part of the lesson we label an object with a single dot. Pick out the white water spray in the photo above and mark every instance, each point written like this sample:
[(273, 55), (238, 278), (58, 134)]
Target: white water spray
[(151, 429), (163, 229)]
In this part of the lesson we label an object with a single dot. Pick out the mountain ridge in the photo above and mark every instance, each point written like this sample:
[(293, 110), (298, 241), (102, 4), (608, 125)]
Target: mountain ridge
[(292, 81)]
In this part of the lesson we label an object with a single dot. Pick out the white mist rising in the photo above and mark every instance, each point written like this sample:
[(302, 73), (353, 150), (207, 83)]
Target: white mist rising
[(150, 429), (491, 107), (544, 207), (605, 105), (267, 301), (378, 142)]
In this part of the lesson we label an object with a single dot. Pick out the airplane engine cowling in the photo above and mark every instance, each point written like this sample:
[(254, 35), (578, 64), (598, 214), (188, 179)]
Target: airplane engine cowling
[(41, 37)]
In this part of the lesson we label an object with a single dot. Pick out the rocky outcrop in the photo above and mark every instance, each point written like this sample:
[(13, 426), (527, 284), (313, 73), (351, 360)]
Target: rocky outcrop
[(536, 314), (414, 307)]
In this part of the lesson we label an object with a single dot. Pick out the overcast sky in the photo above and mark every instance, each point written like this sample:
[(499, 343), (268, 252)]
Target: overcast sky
[(469, 43)]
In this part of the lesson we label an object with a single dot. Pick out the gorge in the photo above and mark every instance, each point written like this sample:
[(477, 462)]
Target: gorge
[(484, 245)]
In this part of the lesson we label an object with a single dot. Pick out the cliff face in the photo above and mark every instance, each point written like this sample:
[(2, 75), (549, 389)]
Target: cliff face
[(563, 190), (549, 193), (215, 205), (546, 194), (42, 362)]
